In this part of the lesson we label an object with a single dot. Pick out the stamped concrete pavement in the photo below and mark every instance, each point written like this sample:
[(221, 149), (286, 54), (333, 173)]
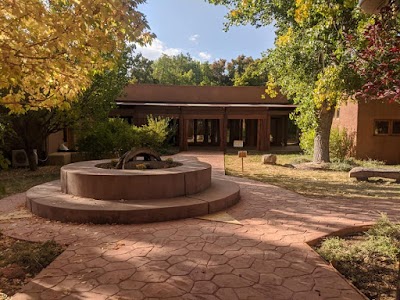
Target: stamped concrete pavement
[(264, 257)]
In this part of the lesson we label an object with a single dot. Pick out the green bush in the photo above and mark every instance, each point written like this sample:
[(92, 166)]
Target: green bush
[(341, 144), (307, 142), (384, 227), (110, 138), (382, 239), (115, 136), (154, 134), (334, 249)]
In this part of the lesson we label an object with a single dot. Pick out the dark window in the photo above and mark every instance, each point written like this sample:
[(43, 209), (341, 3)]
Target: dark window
[(381, 127), (396, 127)]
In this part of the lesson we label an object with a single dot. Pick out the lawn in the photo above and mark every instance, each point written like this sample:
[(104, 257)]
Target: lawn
[(15, 181), (312, 183)]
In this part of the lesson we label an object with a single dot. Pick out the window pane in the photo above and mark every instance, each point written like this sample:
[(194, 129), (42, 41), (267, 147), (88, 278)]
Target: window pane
[(396, 127), (381, 127)]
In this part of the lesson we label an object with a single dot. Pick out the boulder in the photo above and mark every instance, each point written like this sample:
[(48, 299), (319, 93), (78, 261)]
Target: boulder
[(269, 159), (362, 174)]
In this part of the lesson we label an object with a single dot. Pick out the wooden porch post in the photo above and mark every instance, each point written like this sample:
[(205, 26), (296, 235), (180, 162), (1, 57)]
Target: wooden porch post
[(183, 131), (268, 146), (223, 125), (262, 138), (285, 128)]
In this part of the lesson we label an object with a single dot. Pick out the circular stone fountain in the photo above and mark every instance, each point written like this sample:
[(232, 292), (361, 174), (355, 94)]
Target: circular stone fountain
[(87, 193)]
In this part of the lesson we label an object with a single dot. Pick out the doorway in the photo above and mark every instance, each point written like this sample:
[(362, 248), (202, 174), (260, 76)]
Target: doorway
[(203, 132)]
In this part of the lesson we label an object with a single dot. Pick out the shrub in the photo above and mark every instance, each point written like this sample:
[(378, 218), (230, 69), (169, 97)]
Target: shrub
[(307, 142), (334, 249), (154, 134), (115, 136), (382, 239), (384, 227), (110, 138), (340, 144)]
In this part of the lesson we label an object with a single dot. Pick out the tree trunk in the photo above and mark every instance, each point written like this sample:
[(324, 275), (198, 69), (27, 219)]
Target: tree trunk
[(31, 159), (322, 134)]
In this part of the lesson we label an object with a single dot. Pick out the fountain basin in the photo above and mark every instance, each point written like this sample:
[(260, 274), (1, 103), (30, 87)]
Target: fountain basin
[(88, 194), (84, 179)]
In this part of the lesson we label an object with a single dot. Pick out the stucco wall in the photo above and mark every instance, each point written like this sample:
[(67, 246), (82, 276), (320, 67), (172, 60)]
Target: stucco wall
[(198, 94), (346, 117), (381, 147)]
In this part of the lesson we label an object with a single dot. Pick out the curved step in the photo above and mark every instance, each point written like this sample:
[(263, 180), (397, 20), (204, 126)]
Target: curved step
[(47, 201)]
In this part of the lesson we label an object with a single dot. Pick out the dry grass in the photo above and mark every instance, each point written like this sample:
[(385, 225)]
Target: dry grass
[(19, 180), (311, 183)]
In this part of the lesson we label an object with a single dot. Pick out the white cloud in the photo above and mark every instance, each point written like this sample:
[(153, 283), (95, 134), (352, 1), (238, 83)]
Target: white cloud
[(156, 49), (194, 38), (204, 56)]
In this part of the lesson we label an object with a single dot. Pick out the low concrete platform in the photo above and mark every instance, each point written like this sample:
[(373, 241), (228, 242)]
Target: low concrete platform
[(47, 201)]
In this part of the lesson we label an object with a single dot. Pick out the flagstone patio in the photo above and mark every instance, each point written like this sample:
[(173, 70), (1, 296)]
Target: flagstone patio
[(255, 250)]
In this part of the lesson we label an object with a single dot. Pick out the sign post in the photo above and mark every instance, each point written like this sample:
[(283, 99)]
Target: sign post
[(242, 154)]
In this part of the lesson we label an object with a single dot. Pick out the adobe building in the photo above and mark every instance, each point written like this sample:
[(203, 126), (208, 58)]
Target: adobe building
[(375, 127), (210, 115)]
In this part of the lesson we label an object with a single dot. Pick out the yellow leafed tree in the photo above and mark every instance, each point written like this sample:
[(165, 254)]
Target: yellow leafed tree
[(49, 49)]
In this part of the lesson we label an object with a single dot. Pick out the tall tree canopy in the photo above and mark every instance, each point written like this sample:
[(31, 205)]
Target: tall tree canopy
[(377, 51), (179, 69), (50, 50), (182, 69), (310, 63)]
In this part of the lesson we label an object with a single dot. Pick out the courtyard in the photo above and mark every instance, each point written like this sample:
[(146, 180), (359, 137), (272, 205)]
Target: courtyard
[(255, 250)]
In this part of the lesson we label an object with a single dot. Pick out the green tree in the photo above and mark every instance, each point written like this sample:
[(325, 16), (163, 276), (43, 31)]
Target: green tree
[(142, 69), (309, 63), (254, 74), (179, 69), (237, 66)]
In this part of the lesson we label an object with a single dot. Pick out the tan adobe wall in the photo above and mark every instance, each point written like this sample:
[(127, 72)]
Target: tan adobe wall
[(381, 147), (198, 94), (346, 117)]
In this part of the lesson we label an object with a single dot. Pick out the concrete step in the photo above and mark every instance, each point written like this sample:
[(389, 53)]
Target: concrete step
[(47, 201)]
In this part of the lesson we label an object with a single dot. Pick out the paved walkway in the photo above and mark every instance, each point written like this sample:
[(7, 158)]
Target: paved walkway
[(264, 258)]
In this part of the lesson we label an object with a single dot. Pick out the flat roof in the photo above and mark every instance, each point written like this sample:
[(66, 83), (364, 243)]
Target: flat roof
[(147, 93), (203, 105)]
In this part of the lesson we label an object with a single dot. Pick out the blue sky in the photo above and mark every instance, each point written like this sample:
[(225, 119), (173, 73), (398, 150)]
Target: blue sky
[(197, 27)]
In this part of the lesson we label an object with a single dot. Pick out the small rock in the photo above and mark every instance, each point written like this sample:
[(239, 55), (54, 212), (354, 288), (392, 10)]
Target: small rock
[(269, 159)]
